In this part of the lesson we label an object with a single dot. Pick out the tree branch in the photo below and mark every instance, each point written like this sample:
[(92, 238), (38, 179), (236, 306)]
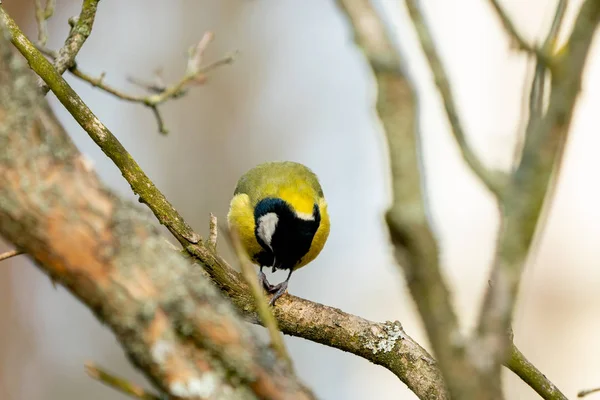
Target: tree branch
[(493, 180), (10, 254), (172, 322), (384, 344), (140, 183), (525, 370), (119, 384), (195, 73), (514, 34), (42, 14), (80, 31), (539, 80), (531, 184), (584, 393)]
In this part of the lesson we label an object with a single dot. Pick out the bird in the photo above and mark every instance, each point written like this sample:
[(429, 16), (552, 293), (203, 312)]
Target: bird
[(280, 215)]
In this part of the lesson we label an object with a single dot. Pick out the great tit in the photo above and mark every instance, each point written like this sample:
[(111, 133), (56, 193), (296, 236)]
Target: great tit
[(280, 214)]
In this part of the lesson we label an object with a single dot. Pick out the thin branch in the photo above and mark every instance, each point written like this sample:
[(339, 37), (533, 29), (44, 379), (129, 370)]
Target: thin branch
[(120, 384), (42, 14), (9, 254), (584, 393), (174, 91), (514, 34), (525, 370), (139, 181), (195, 74), (538, 85), (213, 229), (494, 181), (80, 31), (262, 306), (532, 184)]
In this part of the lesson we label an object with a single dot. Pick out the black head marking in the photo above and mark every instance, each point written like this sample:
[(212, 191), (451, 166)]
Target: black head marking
[(285, 238)]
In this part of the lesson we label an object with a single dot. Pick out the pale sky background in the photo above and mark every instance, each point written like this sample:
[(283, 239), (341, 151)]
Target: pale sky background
[(301, 91)]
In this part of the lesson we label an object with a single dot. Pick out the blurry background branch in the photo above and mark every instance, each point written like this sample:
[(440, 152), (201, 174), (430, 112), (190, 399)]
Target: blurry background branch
[(8, 254), (532, 184), (584, 393), (119, 384), (42, 14), (493, 180), (195, 74), (415, 245)]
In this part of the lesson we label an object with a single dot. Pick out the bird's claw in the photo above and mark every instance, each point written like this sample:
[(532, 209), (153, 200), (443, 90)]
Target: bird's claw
[(262, 278), (278, 292)]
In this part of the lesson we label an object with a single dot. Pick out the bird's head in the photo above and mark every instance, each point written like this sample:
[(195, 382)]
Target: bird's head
[(287, 232)]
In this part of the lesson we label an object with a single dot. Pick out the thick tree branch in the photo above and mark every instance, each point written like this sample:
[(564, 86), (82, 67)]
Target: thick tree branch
[(531, 184), (493, 180), (384, 344), (172, 322)]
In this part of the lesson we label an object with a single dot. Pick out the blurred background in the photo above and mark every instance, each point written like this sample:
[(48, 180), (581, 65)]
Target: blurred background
[(301, 91)]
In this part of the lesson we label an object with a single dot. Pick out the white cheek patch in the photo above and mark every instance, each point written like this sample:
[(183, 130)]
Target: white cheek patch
[(305, 216), (266, 227)]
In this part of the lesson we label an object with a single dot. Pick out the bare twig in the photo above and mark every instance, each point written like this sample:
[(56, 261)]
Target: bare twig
[(213, 232), (42, 14), (120, 384), (195, 74), (584, 393), (262, 305), (531, 185), (494, 181), (515, 35), (9, 254), (140, 183), (525, 370), (537, 94), (80, 31)]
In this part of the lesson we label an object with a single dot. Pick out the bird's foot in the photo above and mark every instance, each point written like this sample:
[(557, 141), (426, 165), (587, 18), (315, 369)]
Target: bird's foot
[(278, 291), (262, 278)]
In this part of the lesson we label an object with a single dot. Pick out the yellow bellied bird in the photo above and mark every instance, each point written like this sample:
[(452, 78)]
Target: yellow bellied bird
[(280, 214)]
